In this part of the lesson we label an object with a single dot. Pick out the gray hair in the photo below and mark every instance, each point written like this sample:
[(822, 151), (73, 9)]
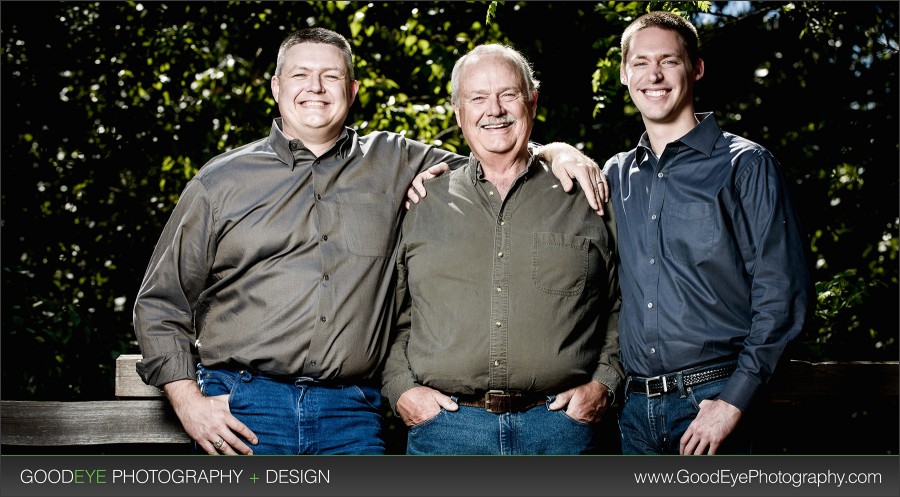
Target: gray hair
[(510, 54), (316, 35)]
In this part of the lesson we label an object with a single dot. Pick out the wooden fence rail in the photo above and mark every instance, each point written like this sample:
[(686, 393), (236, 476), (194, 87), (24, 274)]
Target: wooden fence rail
[(143, 415)]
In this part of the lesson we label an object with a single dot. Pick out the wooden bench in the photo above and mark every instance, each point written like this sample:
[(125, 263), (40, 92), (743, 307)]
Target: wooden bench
[(141, 414)]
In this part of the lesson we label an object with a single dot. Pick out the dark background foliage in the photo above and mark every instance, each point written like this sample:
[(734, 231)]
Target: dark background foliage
[(108, 108)]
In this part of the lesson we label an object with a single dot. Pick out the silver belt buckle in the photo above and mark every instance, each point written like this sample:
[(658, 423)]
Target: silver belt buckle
[(488, 405), (665, 387)]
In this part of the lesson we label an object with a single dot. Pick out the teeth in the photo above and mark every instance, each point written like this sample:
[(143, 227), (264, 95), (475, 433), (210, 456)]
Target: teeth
[(496, 126), (655, 93), (313, 104)]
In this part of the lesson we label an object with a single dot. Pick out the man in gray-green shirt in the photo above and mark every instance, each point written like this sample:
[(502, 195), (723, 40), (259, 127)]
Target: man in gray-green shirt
[(265, 309), (506, 339)]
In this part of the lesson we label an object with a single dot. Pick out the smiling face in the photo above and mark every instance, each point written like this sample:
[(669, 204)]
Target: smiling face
[(660, 77), (314, 93), (495, 114)]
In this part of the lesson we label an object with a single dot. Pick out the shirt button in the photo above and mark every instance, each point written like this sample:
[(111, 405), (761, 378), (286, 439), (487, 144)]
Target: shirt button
[(498, 323), (660, 175), (324, 238), (649, 305), (502, 222), (312, 363), (323, 319), (652, 261), (499, 254), (499, 289), (653, 217), (326, 277), (496, 363), (318, 196), (652, 350), (491, 194)]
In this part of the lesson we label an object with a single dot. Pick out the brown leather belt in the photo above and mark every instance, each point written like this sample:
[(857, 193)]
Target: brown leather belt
[(502, 401)]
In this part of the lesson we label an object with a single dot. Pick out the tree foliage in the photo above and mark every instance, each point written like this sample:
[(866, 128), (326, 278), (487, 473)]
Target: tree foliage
[(109, 108)]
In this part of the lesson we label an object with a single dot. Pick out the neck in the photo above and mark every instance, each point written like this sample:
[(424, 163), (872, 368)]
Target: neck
[(662, 134), (502, 173)]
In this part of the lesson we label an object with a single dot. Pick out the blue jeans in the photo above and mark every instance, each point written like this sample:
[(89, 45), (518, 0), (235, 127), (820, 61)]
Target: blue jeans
[(300, 415), (655, 425), (473, 430)]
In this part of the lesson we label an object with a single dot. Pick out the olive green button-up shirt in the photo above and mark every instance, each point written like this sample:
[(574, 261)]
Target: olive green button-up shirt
[(517, 294), (280, 261)]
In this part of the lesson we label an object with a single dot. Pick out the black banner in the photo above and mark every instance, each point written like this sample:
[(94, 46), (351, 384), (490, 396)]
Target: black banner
[(436, 476)]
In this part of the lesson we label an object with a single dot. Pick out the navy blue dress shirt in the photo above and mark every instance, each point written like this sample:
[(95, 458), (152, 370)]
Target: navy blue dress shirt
[(712, 258)]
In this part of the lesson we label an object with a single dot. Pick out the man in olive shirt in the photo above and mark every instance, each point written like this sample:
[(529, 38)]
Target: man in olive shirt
[(265, 309), (506, 340)]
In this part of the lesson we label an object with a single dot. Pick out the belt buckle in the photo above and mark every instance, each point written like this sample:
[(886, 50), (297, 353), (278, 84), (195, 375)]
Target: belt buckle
[(488, 405), (665, 387)]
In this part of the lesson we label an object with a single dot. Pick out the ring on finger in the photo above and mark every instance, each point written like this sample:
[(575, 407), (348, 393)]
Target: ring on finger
[(218, 443)]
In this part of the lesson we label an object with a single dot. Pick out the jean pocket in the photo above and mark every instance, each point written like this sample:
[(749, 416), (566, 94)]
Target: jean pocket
[(570, 419), (427, 422), (369, 396), (560, 263), (213, 383)]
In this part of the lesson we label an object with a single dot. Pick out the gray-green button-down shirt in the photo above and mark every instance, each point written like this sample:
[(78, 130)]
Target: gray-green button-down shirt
[(280, 261), (516, 294)]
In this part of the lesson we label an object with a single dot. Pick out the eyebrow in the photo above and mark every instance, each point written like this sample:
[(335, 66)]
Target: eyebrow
[(306, 68), (485, 92), (661, 56)]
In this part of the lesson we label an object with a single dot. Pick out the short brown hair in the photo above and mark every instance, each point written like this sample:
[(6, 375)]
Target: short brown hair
[(664, 20)]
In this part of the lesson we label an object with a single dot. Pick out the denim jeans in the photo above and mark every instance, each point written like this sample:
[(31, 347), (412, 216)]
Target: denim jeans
[(655, 425), (300, 416), (473, 430)]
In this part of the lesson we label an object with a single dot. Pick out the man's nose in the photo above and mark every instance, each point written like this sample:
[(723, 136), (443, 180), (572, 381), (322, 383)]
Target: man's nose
[(314, 83), (494, 106)]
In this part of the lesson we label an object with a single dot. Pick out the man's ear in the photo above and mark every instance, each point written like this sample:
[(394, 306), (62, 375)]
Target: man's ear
[(354, 89), (275, 88), (699, 68), (623, 78)]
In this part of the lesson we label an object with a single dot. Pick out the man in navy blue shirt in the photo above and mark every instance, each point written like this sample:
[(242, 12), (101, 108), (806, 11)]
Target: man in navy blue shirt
[(713, 269)]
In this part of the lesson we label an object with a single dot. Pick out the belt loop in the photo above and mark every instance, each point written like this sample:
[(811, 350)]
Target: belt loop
[(679, 381)]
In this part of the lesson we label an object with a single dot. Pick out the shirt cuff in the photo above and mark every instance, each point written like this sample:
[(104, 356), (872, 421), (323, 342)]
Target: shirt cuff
[(162, 369)]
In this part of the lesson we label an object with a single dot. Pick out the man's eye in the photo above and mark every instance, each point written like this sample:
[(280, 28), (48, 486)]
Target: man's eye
[(331, 77), (300, 75), (509, 96), (476, 100)]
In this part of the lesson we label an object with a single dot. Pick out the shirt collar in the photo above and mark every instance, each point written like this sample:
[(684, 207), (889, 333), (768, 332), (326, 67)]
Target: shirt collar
[(702, 138), (286, 148), (475, 172)]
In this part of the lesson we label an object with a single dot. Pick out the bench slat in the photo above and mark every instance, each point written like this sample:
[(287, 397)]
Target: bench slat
[(798, 379), (89, 423)]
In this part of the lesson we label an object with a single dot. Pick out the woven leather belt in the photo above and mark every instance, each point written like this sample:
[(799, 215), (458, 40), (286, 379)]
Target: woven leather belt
[(668, 383), (500, 401)]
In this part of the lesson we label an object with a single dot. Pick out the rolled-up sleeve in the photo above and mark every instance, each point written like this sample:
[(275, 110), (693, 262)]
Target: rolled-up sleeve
[(175, 277)]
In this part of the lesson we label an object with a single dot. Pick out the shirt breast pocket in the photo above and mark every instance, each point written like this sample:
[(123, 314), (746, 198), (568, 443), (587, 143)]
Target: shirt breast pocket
[(370, 222), (688, 232), (559, 263)]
